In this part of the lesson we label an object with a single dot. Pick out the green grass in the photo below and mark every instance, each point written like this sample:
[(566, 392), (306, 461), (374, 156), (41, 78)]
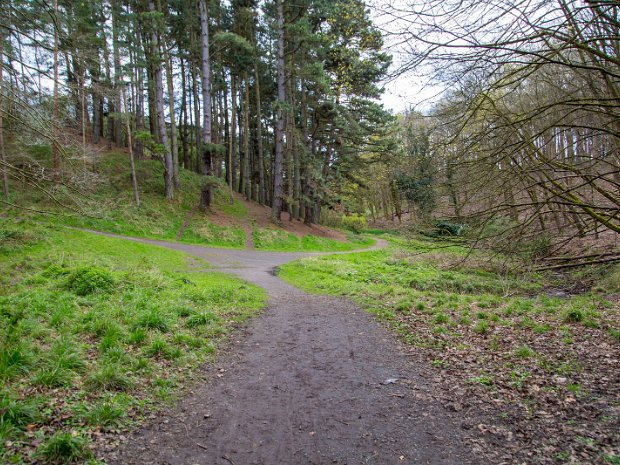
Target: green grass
[(94, 331), (278, 240), (213, 235), (65, 447)]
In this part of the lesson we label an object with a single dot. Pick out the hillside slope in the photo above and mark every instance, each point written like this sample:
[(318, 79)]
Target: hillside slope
[(102, 199)]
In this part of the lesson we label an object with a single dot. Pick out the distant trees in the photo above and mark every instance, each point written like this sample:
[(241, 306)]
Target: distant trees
[(276, 98), (528, 130)]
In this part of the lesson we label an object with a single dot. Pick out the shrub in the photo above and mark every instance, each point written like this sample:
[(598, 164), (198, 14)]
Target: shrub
[(90, 279), (574, 315), (539, 247), (355, 223), (446, 228)]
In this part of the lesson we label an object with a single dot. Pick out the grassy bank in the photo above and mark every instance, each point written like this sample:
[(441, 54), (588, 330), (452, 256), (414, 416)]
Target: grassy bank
[(103, 201), (542, 371), (277, 240), (96, 331)]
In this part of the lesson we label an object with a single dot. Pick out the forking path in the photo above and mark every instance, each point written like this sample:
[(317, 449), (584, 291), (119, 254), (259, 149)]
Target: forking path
[(313, 380)]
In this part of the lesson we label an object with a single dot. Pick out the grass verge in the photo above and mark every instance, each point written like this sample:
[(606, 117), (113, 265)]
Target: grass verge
[(96, 331), (277, 240)]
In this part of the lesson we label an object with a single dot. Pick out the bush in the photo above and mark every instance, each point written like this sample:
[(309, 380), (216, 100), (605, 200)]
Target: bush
[(90, 279), (539, 247), (445, 228), (574, 315), (354, 223)]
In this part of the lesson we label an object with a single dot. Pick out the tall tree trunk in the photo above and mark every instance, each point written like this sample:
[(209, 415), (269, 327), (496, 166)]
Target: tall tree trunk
[(139, 108), (159, 102), (308, 216), (240, 111), (246, 137), (191, 133), (207, 149), (259, 139), (110, 106), (197, 137), (216, 162), (134, 178), (305, 171), (227, 131), (117, 123), (4, 167), (233, 135), (173, 125), (80, 103), (276, 209), (96, 96), (183, 116), (296, 171), (55, 133), (290, 158), (152, 106)]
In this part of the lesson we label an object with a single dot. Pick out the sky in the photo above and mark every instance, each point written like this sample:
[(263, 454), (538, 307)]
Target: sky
[(405, 91)]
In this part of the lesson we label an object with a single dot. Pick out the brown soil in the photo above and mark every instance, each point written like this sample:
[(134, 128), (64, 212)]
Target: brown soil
[(315, 380), (260, 216)]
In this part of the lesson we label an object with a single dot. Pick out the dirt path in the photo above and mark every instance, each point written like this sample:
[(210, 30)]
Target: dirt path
[(315, 380), (247, 228)]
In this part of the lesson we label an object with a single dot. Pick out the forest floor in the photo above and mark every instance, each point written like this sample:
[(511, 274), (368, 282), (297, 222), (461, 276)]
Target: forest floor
[(529, 362)]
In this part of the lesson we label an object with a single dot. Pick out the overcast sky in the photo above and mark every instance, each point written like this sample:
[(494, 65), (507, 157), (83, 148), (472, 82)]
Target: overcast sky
[(406, 91)]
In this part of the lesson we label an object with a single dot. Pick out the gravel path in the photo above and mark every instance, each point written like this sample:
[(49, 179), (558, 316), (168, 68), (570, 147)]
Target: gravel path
[(314, 380)]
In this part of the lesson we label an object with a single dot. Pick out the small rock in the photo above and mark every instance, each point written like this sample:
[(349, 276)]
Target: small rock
[(390, 381), (455, 407)]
